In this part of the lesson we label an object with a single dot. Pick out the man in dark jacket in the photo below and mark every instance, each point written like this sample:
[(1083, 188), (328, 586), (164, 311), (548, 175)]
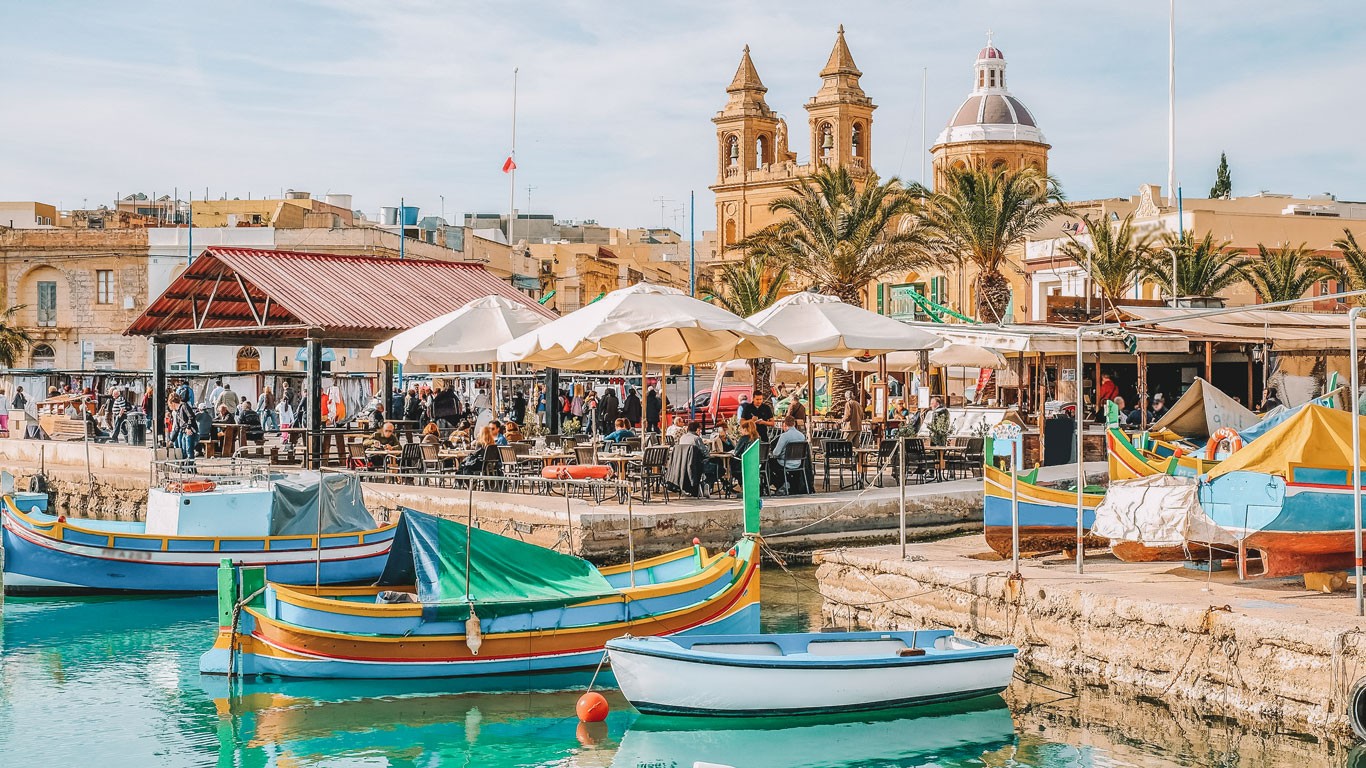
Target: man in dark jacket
[(653, 406), (632, 407), (609, 409), (444, 407), (519, 407), (412, 406)]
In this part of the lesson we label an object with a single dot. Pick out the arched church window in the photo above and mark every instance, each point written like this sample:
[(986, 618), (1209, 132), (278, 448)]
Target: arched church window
[(763, 151), (981, 78), (730, 232), (856, 140), (827, 141), (43, 356), (733, 150)]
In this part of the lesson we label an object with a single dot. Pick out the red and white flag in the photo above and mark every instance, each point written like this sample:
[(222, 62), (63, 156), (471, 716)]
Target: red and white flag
[(509, 165)]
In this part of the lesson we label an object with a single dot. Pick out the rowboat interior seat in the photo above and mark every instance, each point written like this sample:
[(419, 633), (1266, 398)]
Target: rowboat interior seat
[(740, 649), (952, 644), (889, 646)]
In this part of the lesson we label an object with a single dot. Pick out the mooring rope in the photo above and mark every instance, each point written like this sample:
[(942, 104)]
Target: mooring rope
[(232, 635)]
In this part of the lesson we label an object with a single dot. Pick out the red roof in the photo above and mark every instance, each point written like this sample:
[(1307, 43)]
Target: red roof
[(356, 297)]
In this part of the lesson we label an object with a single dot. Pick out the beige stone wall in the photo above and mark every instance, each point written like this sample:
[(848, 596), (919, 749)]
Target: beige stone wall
[(73, 259), (1011, 154)]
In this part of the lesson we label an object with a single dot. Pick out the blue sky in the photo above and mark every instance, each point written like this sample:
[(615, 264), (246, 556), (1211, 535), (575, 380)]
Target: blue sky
[(413, 98)]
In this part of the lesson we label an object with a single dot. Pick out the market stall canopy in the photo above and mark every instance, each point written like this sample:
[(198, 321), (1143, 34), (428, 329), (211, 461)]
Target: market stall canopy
[(1282, 330), (468, 336), (253, 296), (644, 323), (817, 324), (1053, 339), (1202, 411)]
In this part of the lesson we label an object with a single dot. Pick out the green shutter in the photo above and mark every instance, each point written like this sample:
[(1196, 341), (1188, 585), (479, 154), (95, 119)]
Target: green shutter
[(881, 305)]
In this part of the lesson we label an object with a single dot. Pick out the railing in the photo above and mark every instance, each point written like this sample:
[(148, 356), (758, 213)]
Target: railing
[(250, 473)]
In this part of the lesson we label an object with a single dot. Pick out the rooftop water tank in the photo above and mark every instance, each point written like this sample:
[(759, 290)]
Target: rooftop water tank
[(388, 216), (341, 201), (297, 195), (409, 215)]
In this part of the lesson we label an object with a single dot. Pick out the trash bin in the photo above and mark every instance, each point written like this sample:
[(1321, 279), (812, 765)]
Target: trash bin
[(137, 429), (1059, 440)]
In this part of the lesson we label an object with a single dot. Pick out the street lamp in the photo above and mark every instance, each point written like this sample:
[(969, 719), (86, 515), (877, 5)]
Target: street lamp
[(1173, 255)]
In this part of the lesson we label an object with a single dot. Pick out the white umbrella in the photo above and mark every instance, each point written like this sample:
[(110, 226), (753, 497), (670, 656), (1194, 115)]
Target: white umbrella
[(821, 325), (645, 323), (967, 356), (467, 336)]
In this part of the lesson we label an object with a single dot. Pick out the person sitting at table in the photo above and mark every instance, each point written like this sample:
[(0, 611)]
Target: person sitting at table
[(721, 441), (431, 435), (475, 463), (677, 429), (780, 464), (622, 432), (499, 438), (689, 469), (749, 435), (514, 433), (250, 421), (222, 415), (384, 439)]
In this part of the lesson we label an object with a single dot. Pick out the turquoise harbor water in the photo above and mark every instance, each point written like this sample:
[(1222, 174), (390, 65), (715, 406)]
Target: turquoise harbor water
[(111, 683)]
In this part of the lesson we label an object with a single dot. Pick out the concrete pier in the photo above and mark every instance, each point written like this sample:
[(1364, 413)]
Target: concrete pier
[(116, 488), (1253, 651)]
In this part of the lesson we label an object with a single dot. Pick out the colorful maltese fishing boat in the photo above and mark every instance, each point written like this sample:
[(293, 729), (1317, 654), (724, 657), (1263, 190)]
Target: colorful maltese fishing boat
[(254, 519), (1288, 495), (455, 601), (1048, 516)]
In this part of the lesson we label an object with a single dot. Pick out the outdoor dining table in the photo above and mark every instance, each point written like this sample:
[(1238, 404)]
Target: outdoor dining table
[(862, 456), (941, 454)]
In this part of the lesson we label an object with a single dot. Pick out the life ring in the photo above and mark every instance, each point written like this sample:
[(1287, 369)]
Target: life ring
[(1223, 435), (191, 486)]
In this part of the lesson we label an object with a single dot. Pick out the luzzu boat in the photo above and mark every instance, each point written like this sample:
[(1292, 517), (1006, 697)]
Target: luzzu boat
[(259, 522), (1048, 516), (1289, 494), (461, 602)]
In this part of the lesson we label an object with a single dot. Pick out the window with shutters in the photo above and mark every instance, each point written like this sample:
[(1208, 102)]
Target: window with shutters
[(47, 303), (104, 286)]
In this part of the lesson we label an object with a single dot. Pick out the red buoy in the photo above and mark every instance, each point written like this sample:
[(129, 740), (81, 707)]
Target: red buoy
[(696, 541), (592, 707)]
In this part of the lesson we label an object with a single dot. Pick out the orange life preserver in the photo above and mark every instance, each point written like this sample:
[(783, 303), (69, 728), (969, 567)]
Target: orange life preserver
[(1223, 435), (191, 486)]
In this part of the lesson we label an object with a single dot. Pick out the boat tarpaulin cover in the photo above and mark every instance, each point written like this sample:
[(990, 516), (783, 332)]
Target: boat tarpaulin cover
[(1335, 399), (295, 505), (1314, 436), (1202, 411), (1159, 511), (506, 576)]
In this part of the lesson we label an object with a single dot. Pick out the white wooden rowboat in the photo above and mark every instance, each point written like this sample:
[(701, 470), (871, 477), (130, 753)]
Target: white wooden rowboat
[(806, 673)]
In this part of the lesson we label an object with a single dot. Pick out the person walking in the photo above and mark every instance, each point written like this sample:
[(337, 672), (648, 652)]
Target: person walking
[(653, 409), (609, 410), (265, 407), (4, 411), (118, 413)]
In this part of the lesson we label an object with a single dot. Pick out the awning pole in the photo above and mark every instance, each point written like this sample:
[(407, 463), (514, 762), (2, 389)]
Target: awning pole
[(1081, 450), (1356, 452)]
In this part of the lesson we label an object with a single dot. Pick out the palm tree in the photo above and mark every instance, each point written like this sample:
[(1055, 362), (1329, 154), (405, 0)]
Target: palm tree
[(13, 339), (1204, 267), (980, 215), (1116, 257), (751, 285), (840, 236), (1285, 273), (1352, 269)]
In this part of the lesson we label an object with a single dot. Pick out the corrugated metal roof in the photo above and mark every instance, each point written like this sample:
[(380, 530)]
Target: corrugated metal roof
[(359, 297)]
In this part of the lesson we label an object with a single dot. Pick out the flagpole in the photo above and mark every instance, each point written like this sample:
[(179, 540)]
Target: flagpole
[(512, 161), (1171, 106)]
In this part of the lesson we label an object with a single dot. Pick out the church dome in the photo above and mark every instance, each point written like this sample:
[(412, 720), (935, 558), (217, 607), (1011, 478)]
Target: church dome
[(991, 112)]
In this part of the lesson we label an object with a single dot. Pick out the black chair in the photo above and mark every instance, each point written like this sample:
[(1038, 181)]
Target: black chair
[(839, 457), (493, 468), (648, 474), (967, 461), (919, 463), (410, 460), (886, 457), (803, 476)]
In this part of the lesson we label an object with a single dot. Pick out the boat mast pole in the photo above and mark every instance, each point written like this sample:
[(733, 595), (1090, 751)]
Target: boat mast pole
[(1081, 448), (1356, 453)]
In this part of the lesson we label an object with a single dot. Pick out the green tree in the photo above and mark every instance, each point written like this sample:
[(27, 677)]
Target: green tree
[(1116, 257), (750, 285), (1223, 182), (1285, 273), (980, 215), (14, 341), (1204, 267), (1352, 269), (840, 235)]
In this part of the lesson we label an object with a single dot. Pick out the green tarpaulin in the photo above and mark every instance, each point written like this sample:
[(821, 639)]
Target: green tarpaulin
[(506, 576)]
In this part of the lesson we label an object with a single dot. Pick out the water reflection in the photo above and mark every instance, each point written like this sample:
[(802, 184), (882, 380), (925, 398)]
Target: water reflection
[(958, 734)]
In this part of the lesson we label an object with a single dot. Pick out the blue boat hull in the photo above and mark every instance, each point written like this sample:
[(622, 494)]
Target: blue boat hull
[(1298, 527)]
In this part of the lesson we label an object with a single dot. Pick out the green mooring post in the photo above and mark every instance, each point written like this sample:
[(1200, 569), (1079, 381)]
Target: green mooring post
[(227, 591), (749, 462)]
